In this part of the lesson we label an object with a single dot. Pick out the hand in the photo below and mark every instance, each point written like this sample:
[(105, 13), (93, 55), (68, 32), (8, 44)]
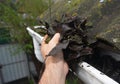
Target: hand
[(56, 68), (46, 48)]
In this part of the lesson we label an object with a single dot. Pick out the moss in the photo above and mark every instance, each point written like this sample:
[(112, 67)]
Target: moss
[(104, 17)]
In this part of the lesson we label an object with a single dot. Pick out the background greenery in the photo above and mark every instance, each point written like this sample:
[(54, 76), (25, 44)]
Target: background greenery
[(15, 15)]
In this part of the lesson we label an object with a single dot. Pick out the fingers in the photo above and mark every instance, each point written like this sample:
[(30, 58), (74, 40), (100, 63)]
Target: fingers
[(55, 38), (44, 39)]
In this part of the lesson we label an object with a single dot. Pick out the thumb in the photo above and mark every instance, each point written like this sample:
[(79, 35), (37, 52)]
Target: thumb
[(55, 38)]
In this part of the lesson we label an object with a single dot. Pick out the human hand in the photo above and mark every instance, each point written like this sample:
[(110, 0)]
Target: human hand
[(56, 68), (46, 48)]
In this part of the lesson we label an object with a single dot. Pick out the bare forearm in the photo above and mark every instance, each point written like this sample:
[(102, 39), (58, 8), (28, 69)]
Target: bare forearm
[(52, 75), (48, 78)]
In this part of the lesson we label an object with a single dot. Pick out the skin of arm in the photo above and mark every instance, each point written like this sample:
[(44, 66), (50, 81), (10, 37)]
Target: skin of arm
[(56, 68)]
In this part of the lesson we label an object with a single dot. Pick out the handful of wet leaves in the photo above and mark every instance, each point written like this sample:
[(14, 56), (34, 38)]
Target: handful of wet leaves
[(74, 42)]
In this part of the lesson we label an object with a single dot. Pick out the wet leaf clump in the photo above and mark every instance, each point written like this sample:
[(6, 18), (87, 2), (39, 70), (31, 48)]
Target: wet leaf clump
[(73, 40)]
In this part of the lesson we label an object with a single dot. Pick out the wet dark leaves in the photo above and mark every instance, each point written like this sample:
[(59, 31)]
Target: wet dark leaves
[(73, 33)]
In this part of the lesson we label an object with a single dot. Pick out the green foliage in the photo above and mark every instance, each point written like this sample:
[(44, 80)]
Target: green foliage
[(11, 19), (71, 82), (11, 16), (4, 36), (31, 81), (33, 8)]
